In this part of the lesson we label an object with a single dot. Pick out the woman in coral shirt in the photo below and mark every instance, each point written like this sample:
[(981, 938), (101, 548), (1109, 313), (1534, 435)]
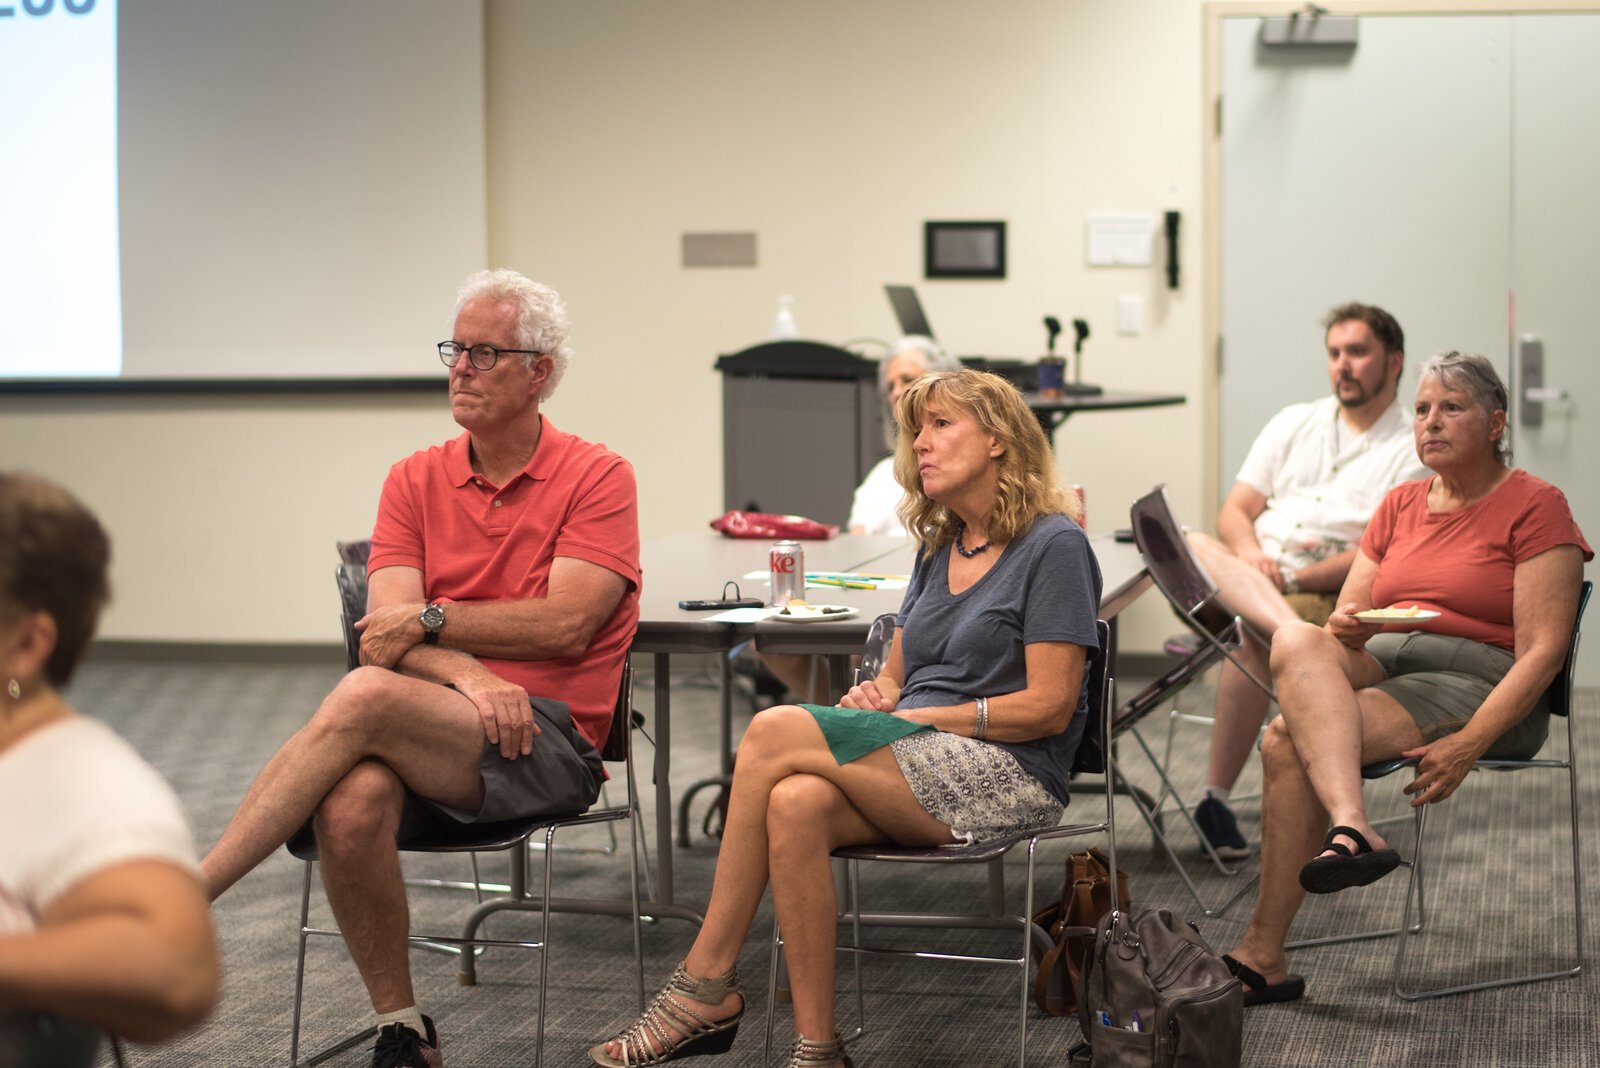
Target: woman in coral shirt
[(1495, 552)]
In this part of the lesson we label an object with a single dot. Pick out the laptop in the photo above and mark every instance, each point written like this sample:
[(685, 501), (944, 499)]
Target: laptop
[(908, 309)]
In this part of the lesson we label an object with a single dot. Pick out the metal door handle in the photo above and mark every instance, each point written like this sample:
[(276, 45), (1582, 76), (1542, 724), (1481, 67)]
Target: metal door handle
[(1530, 372), (1541, 394)]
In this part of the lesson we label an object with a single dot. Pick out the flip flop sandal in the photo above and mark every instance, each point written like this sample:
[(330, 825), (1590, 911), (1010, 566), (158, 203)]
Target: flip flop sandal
[(1347, 868), (1257, 991)]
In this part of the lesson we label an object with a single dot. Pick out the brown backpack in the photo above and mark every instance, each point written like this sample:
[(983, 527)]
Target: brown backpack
[(1085, 897)]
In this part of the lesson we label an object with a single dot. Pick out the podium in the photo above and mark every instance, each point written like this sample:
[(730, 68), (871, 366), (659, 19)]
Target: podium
[(801, 426)]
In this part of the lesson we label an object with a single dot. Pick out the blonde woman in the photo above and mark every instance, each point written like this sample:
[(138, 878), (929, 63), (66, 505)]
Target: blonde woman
[(984, 684)]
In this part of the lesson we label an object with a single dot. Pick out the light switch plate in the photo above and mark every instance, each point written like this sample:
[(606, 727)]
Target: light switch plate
[(1130, 314)]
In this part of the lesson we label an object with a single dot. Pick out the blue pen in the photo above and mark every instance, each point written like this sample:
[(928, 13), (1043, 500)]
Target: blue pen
[(1105, 1019), (1138, 1024)]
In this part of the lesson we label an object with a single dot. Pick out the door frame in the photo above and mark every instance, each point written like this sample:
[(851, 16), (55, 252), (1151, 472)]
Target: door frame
[(1212, 14)]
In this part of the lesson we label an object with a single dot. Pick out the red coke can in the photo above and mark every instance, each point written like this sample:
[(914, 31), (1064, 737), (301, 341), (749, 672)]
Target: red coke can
[(787, 560)]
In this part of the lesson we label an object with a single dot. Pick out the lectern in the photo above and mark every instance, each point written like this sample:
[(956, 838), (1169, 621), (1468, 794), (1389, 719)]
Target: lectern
[(801, 425)]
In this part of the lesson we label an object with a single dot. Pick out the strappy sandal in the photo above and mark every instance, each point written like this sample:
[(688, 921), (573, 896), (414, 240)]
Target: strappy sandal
[(1347, 867), (670, 1028), (808, 1054)]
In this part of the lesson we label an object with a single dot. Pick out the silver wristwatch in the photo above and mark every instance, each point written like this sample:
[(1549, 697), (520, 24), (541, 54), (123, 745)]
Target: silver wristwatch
[(432, 620)]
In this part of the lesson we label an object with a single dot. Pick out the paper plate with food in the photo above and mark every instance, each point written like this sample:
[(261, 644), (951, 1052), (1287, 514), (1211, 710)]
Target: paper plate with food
[(1396, 614), (798, 611)]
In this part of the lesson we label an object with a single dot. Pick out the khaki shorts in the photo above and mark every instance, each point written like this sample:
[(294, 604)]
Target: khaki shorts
[(1442, 680), (1312, 607)]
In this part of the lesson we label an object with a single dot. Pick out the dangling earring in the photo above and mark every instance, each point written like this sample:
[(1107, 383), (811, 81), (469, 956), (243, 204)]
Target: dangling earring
[(14, 690)]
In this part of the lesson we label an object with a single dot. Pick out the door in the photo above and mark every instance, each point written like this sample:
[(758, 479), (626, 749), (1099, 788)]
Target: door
[(1443, 168), (1556, 242)]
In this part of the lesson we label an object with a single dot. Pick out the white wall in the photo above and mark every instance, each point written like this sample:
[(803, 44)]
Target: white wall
[(833, 130)]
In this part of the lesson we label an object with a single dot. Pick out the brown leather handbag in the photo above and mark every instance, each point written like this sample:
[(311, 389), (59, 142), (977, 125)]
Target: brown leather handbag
[(1085, 897)]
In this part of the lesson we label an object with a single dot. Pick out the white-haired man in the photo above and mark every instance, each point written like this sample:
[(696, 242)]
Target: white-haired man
[(503, 595)]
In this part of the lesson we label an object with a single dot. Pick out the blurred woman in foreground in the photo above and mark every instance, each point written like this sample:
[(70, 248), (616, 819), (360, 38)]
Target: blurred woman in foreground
[(103, 923)]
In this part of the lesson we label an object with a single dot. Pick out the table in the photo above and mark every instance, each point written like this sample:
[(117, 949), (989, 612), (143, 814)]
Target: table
[(1052, 413), (696, 564)]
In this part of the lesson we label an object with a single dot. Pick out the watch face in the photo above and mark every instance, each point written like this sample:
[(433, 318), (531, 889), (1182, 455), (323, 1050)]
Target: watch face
[(432, 617)]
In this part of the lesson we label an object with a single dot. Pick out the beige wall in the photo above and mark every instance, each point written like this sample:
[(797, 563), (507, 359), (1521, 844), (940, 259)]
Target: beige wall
[(833, 130)]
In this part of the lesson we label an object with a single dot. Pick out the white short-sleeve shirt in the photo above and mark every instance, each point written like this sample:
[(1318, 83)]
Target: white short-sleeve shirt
[(76, 799), (1323, 481), (873, 507)]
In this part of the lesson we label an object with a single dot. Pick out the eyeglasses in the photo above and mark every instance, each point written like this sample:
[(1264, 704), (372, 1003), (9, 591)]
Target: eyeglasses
[(482, 357)]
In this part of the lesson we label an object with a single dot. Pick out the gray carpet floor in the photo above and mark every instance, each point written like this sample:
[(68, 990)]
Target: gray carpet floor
[(209, 726)]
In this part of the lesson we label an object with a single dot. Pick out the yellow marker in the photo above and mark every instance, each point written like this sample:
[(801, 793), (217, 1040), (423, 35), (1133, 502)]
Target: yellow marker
[(843, 583)]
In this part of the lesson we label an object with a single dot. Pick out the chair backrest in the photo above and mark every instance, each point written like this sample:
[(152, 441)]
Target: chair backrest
[(352, 580), (1090, 759), (1172, 565), (1561, 686), (619, 740), (1166, 553), (875, 650)]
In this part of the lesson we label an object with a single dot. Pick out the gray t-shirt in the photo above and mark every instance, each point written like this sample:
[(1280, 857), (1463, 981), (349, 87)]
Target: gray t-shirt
[(1044, 588)]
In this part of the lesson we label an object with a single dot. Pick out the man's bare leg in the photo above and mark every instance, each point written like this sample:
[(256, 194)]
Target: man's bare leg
[(1243, 588), (429, 735), (356, 826), (1241, 706), (1240, 709)]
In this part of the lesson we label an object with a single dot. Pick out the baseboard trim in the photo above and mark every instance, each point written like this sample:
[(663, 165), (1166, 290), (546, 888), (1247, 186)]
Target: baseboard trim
[(217, 652)]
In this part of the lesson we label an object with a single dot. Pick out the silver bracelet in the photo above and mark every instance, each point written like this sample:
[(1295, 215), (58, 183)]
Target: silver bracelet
[(980, 730)]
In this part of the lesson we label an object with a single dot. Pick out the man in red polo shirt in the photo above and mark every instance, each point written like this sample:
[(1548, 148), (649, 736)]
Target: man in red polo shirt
[(503, 595)]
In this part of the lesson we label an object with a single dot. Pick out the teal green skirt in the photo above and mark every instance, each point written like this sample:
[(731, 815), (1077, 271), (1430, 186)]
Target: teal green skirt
[(852, 733)]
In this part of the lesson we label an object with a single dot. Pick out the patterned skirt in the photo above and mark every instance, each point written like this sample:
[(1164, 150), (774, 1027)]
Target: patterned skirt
[(978, 789)]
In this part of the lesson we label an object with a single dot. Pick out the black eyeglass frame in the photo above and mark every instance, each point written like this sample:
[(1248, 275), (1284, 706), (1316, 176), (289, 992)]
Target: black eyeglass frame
[(450, 353)]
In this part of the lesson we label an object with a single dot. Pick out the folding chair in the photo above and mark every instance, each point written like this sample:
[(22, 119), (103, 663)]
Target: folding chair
[(1097, 740), (1195, 599), (1559, 695)]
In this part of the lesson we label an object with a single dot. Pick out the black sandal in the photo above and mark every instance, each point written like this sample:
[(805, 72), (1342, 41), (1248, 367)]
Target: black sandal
[(1257, 991), (1347, 868)]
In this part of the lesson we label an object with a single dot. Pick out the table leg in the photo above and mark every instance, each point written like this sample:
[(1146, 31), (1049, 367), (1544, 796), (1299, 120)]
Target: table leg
[(663, 667), (725, 683)]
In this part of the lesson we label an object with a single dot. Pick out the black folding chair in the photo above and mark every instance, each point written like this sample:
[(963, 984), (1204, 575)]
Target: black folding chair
[(1219, 632)]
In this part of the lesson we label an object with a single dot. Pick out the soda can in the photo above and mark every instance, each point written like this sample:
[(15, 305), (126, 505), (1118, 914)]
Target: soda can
[(788, 562)]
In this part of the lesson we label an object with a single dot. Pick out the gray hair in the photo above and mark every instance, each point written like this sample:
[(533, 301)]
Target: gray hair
[(1476, 376), (542, 324), (933, 358)]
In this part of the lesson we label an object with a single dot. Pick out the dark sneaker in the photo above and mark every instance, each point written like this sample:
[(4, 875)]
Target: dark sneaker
[(398, 1046), (1216, 822)]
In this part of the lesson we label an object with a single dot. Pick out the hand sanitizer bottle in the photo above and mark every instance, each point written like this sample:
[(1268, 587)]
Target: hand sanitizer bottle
[(783, 327)]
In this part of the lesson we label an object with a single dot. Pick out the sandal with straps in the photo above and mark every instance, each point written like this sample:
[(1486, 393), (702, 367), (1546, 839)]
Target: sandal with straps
[(1347, 867), (670, 1028), (808, 1053)]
